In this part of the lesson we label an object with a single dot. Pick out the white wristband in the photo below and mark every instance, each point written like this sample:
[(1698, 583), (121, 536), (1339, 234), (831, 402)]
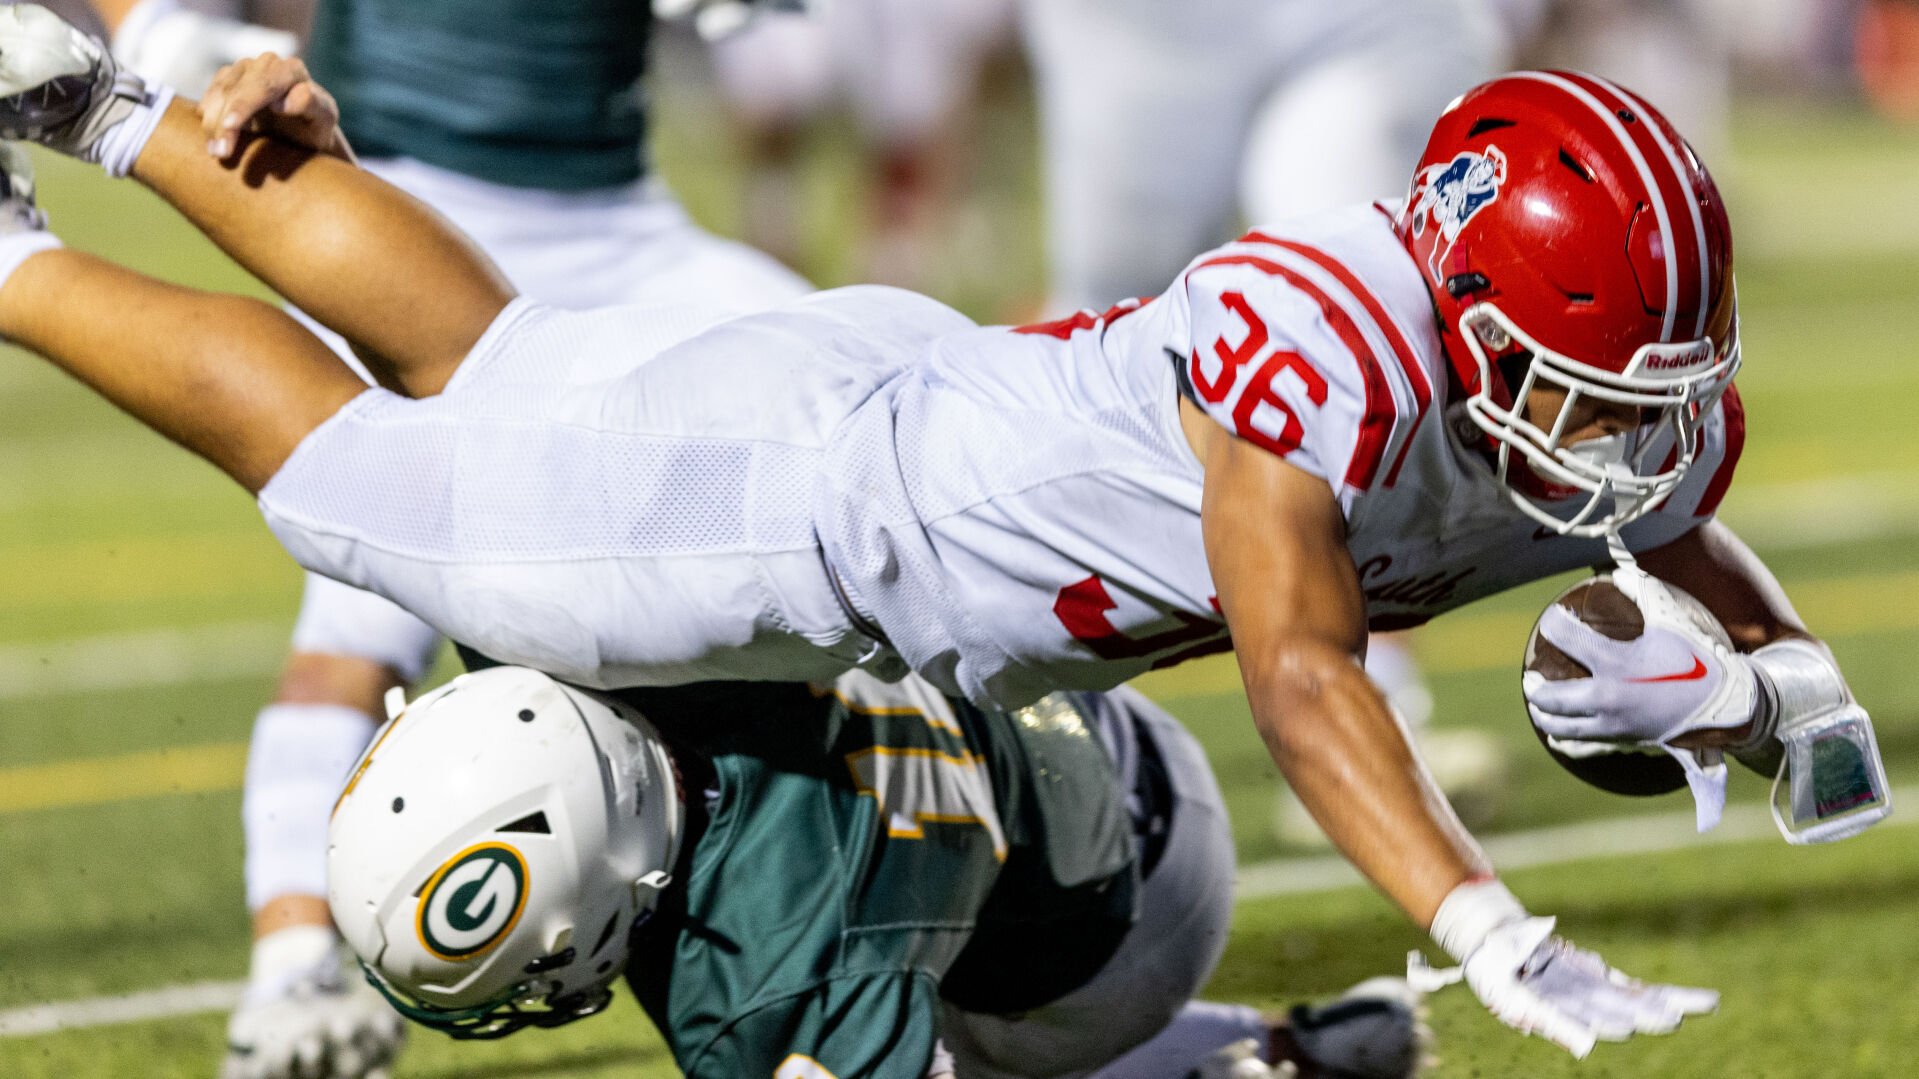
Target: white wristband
[(1471, 911)]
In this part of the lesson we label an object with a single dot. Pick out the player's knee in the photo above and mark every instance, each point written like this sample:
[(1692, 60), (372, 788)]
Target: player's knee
[(328, 678)]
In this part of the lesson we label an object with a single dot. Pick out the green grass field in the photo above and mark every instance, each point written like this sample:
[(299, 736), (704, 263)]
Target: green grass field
[(142, 606)]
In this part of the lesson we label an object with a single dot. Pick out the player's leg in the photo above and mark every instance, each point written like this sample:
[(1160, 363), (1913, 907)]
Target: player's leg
[(1185, 910), (234, 380), (349, 649), (1136, 1018), (1142, 115), (372, 263), (353, 252)]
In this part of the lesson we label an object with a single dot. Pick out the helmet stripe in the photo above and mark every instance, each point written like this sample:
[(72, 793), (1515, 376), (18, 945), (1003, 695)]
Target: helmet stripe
[(1585, 97), (1687, 195)]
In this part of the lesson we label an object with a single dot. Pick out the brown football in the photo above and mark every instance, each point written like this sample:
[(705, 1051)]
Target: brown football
[(1599, 603)]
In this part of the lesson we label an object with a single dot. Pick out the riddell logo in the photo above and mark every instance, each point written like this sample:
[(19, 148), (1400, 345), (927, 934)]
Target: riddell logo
[(1679, 361)]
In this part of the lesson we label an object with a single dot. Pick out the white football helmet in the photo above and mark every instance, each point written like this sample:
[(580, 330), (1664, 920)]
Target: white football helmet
[(495, 846)]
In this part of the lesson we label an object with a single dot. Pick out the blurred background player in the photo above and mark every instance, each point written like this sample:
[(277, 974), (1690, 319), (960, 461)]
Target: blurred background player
[(525, 123), (909, 73), (1166, 125)]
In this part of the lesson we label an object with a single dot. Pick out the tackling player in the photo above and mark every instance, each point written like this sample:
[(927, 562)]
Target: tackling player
[(859, 879), (539, 154), (1369, 417)]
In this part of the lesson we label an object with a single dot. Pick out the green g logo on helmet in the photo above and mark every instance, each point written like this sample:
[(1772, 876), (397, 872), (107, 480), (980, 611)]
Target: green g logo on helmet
[(472, 902)]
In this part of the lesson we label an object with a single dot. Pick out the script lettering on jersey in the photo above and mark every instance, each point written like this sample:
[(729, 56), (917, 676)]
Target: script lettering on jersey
[(1260, 416), (1428, 590), (1082, 607)]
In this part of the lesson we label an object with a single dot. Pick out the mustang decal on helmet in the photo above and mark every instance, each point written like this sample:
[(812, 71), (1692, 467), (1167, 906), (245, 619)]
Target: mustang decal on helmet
[(1452, 193)]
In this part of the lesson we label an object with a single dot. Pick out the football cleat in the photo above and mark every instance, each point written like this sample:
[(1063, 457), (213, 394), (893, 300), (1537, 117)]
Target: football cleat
[(1375, 1030), (58, 86)]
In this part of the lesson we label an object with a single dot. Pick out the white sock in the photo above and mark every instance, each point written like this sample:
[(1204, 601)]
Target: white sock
[(18, 247), (1200, 1028), (296, 765), (119, 146)]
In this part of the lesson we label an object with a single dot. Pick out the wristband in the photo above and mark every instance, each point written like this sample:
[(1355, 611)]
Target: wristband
[(1470, 912)]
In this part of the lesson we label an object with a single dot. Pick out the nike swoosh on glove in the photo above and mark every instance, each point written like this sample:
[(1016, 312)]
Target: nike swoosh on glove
[(1643, 692)]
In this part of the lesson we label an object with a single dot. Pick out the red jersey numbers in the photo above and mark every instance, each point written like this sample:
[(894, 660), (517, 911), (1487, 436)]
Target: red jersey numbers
[(1260, 415), (1082, 607)]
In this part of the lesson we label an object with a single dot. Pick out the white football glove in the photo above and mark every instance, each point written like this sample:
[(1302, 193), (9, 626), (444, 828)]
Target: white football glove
[(1537, 983), (1679, 676), (304, 1018), (717, 19)]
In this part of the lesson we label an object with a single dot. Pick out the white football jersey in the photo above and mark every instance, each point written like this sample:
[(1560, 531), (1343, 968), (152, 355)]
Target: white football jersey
[(1020, 512)]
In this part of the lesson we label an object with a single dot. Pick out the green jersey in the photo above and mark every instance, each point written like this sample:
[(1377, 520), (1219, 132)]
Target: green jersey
[(866, 854), (527, 93)]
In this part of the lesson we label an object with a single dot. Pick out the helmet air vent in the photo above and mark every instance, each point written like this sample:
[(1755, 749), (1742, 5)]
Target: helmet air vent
[(1489, 123), (1572, 163), (606, 934), (534, 823), (549, 962)]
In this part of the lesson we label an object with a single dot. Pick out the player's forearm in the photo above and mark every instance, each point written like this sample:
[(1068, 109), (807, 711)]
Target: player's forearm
[(1348, 758), (1714, 566)]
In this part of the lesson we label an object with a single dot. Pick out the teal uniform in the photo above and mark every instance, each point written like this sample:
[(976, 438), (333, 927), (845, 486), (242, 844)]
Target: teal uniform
[(859, 861), (526, 93)]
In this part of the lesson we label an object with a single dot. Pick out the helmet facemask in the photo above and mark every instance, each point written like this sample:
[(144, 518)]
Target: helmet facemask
[(1673, 385)]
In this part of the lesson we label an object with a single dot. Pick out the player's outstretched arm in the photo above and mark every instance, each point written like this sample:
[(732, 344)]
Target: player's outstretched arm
[(1275, 541), (1275, 544)]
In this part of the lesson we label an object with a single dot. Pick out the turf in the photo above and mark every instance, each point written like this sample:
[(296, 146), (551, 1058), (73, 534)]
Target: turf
[(106, 530)]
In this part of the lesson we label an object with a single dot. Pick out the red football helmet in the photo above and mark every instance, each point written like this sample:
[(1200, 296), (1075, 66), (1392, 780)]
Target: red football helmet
[(1571, 240)]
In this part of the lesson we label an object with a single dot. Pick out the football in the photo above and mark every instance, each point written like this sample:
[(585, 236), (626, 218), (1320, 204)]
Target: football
[(1601, 605)]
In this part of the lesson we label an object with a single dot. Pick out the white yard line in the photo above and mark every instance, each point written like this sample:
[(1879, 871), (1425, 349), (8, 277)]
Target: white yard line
[(139, 660), (168, 1003), (1617, 838), (1594, 840)]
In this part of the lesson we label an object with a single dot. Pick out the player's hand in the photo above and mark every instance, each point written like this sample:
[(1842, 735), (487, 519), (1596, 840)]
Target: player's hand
[(303, 1018), (716, 19), (1539, 984), (1671, 685), (270, 94)]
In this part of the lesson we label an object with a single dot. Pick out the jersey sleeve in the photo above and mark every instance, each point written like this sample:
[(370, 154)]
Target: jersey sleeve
[(881, 1025), (1291, 364), (1705, 484)]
